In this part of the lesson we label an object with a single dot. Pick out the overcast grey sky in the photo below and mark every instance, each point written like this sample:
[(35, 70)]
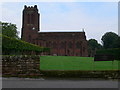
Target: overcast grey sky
[(96, 18)]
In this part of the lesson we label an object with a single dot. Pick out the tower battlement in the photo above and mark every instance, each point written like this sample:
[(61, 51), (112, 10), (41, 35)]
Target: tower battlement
[(30, 7)]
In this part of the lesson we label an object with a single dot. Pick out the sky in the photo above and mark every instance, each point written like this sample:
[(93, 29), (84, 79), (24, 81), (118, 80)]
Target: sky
[(96, 18)]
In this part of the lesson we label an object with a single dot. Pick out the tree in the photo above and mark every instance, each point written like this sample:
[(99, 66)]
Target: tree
[(9, 30), (117, 43), (93, 45), (110, 40)]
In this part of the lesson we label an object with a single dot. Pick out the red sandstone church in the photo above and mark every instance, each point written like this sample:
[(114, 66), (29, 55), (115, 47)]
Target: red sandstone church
[(61, 43)]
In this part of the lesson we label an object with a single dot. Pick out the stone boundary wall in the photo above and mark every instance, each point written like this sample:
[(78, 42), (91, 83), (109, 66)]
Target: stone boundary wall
[(98, 74), (20, 66)]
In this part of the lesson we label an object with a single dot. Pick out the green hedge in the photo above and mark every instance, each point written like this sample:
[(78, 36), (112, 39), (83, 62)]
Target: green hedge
[(19, 45), (114, 51)]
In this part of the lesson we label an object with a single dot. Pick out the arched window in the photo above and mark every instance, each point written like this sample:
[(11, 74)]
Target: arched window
[(54, 45), (62, 45), (78, 45), (29, 38), (47, 44), (83, 49), (70, 45)]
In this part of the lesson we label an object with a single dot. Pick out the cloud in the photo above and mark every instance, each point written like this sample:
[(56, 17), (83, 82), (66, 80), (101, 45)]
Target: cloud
[(100, 21), (13, 15)]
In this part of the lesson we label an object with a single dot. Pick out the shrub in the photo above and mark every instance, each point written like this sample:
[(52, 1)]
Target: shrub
[(11, 44), (114, 51)]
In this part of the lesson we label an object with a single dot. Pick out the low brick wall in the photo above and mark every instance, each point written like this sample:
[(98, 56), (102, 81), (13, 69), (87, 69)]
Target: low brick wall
[(21, 66)]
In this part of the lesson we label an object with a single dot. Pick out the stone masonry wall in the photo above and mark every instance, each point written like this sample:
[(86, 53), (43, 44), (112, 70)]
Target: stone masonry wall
[(21, 66)]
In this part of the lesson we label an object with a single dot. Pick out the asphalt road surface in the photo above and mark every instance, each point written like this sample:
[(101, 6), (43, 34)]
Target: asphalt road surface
[(50, 83)]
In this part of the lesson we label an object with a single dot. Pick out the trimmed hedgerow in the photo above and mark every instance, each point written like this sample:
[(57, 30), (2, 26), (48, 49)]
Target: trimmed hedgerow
[(19, 45), (113, 51)]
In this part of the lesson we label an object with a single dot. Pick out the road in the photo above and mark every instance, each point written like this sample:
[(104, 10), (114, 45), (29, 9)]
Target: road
[(49, 83)]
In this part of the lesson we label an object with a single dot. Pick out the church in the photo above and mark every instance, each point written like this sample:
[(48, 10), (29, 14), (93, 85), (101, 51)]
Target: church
[(60, 43)]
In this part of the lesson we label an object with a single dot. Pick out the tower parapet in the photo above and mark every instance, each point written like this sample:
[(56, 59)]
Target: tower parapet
[(31, 8)]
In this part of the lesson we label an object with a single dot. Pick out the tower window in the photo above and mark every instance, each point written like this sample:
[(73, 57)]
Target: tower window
[(28, 18), (32, 18)]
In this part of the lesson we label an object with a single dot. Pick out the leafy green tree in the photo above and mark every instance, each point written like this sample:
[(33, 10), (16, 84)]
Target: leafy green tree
[(110, 40), (117, 43), (93, 45), (9, 30)]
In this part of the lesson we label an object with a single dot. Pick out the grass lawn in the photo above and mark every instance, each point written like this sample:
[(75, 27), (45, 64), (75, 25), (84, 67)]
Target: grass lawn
[(75, 63)]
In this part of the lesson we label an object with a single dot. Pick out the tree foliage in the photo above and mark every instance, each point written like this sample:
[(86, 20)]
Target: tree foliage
[(117, 43), (93, 45), (110, 40), (9, 30)]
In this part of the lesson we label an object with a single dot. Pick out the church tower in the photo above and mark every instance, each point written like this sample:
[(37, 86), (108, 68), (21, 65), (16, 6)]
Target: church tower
[(30, 24)]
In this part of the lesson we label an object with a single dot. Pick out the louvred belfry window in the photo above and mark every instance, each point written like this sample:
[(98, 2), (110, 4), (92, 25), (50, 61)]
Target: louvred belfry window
[(32, 18), (28, 18)]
